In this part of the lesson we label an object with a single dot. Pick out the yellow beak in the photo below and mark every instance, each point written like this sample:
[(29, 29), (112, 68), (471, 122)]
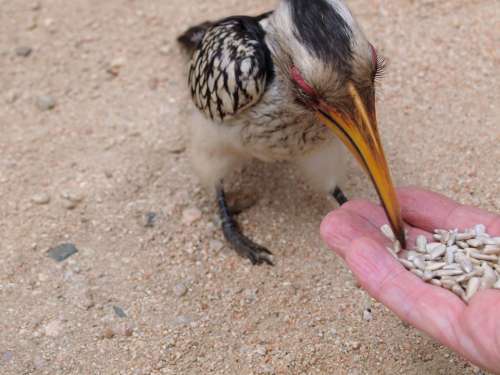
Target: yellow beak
[(361, 137)]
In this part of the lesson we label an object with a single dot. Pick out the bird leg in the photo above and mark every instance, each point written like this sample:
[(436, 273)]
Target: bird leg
[(339, 196), (242, 244)]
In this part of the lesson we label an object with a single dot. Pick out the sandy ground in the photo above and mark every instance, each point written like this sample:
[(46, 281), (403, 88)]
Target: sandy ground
[(166, 296)]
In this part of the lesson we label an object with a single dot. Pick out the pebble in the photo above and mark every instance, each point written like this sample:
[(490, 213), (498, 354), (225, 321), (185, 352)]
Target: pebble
[(62, 252), (215, 245), (71, 199), (180, 290), (119, 312), (191, 215), (24, 51), (115, 66), (40, 198), (260, 350), (53, 328), (150, 219), (356, 345), (45, 102), (108, 333), (367, 315)]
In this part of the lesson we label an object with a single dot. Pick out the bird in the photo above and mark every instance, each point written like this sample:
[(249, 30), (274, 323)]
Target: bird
[(294, 84)]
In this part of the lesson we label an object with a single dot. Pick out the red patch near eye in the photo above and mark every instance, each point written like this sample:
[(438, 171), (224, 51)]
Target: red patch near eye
[(300, 81)]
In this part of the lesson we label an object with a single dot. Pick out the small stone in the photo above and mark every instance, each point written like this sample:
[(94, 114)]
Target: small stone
[(45, 103), (40, 198), (367, 315), (62, 252), (260, 350), (115, 66), (124, 329), (71, 199), (215, 245), (180, 290), (149, 219), (108, 333), (191, 215), (355, 345), (119, 312), (53, 328), (24, 51)]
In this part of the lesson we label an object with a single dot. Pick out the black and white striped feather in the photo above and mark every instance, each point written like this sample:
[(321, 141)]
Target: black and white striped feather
[(231, 67)]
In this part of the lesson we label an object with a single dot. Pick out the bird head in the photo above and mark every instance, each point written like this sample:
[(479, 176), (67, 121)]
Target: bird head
[(330, 68)]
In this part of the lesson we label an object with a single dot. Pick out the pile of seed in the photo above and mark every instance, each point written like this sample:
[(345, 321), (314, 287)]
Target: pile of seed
[(463, 262)]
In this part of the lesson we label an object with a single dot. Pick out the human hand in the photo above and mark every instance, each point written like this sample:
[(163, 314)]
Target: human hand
[(353, 231)]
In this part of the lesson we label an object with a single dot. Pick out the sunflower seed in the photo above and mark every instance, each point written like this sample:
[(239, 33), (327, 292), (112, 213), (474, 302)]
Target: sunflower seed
[(387, 231), (438, 252), (419, 262), (421, 244), (472, 287), (478, 255), (479, 229), (491, 249), (463, 262), (434, 266), (436, 282)]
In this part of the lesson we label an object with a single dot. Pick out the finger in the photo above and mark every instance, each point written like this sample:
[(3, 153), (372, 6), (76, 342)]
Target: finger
[(429, 211), (341, 227), (431, 309)]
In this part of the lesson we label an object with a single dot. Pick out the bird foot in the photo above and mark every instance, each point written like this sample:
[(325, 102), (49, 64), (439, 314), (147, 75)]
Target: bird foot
[(244, 246)]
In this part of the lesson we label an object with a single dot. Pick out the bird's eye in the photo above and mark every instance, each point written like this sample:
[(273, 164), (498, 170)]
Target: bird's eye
[(301, 83), (378, 64)]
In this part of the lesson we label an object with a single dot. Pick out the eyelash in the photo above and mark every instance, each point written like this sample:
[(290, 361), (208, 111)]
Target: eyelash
[(380, 68)]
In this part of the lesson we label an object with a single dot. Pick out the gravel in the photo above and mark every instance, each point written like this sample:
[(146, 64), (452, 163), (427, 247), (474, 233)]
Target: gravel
[(24, 51), (180, 289), (62, 252), (40, 198), (45, 102), (191, 215)]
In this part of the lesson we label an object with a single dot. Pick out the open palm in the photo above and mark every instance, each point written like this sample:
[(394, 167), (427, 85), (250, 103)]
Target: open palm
[(353, 232)]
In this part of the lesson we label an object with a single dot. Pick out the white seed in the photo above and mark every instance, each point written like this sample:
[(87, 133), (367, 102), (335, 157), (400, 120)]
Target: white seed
[(479, 229), (453, 266), (417, 272), (478, 255), (419, 262), (490, 277), (464, 236), (458, 290), (462, 244), (491, 249), (387, 231), (464, 262), (407, 264), (396, 247), (472, 287), (437, 237), (434, 266), (475, 242), (421, 243), (412, 255), (433, 245), (438, 252), (448, 283), (442, 273), (489, 241), (465, 278), (450, 255), (436, 282), (497, 240), (445, 236), (497, 284), (391, 251), (428, 275), (451, 239)]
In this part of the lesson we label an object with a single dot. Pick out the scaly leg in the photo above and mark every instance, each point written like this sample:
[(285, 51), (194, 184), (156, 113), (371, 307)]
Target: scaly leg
[(339, 196), (242, 244)]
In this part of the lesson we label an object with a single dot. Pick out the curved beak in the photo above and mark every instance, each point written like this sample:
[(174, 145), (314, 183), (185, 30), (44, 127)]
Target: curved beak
[(359, 133)]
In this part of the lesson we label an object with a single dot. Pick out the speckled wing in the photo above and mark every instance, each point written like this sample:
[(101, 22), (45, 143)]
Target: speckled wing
[(231, 67)]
